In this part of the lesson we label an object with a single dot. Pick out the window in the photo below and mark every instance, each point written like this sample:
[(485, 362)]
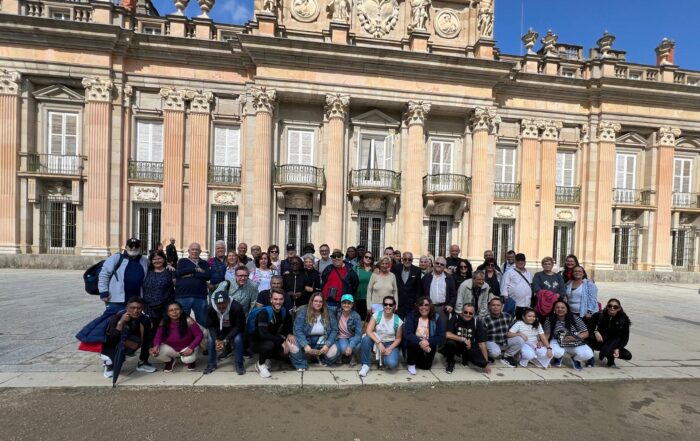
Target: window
[(300, 147), (625, 247), (505, 164), (62, 142), (441, 157), (565, 169), (635, 75), (152, 30), (375, 152), (693, 81), (625, 169), (57, 229), (146, 225), (224, 226), (682, 182), (60, 14), (227, 146), (563, 242), (569, 73), (439, 228), (298, 227), (683, 249), (371, 234), (149, 141), (502, 238)]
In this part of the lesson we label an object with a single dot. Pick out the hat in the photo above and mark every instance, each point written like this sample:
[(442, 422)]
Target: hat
[(291, 246), (337, 253), (221, 297), (133, 242), (347, 298), (309, 246)]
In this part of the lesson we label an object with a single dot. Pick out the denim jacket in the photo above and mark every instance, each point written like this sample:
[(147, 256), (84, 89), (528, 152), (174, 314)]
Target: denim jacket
[(589, 297), (302, 329), (354, 327)]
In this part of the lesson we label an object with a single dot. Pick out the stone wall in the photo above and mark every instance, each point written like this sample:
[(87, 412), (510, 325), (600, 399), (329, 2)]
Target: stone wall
[(645, 276), (47, 261)]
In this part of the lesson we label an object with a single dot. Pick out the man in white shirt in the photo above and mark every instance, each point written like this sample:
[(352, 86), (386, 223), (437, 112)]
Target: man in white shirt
[(441, 289), (517, 285)]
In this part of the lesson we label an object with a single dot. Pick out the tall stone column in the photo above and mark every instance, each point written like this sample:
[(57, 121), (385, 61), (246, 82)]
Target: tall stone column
[(336, 112), (665, 145), (605, 171), (483, 121), (9, 149), (98, 118), (412, 192), (173, 163), (196, 220), (263, 100), (548, 183), (527, 234)]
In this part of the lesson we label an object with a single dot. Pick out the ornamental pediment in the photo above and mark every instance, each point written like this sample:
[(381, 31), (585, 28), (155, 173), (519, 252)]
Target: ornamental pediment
[(632, 139), (59, 93), (375, 118), (688, 143)]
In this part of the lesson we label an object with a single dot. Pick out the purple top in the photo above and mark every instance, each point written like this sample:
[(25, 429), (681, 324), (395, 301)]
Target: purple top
[(192, 338)]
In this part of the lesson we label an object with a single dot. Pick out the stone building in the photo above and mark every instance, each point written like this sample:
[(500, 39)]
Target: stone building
[(381, 122)]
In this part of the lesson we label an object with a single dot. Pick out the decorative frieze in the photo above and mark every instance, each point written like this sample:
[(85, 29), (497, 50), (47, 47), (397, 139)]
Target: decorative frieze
[(173, 99), (667, 136), (337, 105), (305, 11), (9, 82), (378, 17), (417, 112), (447, 24), (529, 128), (263, 99), (98, 89), (225, 198), (200, 101), (484, 118), (146, 194), (339, 10), (607, 131), (420, 10)]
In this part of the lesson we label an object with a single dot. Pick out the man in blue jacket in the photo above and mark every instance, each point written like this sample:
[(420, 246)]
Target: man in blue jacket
[(191, 288), (122, 275)]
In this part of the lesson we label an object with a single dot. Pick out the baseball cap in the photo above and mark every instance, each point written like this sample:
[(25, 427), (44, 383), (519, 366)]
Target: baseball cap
[(291, 246), (347, 298), (221, 297), (133, 242)]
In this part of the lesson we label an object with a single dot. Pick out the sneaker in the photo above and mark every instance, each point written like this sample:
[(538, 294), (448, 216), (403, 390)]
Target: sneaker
[(364, 370), (576, 365), (590, 362), (537, 363), (240, 370), (209, 369), (109, 372), (450, 367), (301, 370), (192, 366), (556, 362), (169, 366), (613, 366), (509, 361), (263, 370), (353, 362), (146, 367), (226, 353), (412, 369)]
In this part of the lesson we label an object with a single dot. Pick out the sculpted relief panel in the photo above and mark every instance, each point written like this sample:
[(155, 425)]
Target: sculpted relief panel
[(378, 17), (305, 10), (447, 24)]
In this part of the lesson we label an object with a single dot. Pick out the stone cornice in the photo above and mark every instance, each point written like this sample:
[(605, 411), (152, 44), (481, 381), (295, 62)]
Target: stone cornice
[(10, 81), (263, 99), (607, 131), (337, 105), (666, 136), (417, 112), (98, 89)]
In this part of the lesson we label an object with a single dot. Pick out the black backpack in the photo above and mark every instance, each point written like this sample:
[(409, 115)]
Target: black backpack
[(91, 276)]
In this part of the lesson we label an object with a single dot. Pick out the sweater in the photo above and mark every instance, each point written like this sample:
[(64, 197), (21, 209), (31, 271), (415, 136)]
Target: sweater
[(381, 286), (190, 282), (192, 338)]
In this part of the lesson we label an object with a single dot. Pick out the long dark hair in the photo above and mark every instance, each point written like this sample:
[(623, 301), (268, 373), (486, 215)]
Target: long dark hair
[(568, 274), (182, 321), (536, 323), (569, 320), (621, 313), (431, 313)]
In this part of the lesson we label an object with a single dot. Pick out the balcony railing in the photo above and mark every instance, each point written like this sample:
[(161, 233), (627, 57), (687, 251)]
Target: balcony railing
[(568, 195), (686, 200), (298, 174), (507, 191), (219, 174), (631, 196), (146, 171), (72, 10), (447, 183), (55, 164), (375, 179)]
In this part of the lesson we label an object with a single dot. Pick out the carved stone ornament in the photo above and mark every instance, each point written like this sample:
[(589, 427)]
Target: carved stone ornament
[(373, 204), (628, 216), (420, 13), (667, 136), (607, 131), (444, 208), (584, 133), (417, 112), (550, 129), (339, 10), (9, 82), (56, 189), (180, 6), (664, 52), (200, 101), (565, 215), (270, 6), (604, 44), (529, 128), (337, 105), (146, 194), (173, 99), (225, 198), (549, 44), (484, 118), (205, 6), (263, 99), (447, 24), (299, 201), (485, 23), (127, 94), (505, 212), (378, 17), (305, 11), (529, 40), (97, 89)]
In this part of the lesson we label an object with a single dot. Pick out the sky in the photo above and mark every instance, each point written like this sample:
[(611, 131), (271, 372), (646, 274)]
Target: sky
[(639, 25)]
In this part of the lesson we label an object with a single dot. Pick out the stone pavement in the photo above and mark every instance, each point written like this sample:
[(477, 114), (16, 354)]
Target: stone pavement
[(41, 310)]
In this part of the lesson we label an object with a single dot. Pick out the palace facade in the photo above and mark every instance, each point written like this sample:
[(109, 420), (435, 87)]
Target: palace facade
[(328, 121)]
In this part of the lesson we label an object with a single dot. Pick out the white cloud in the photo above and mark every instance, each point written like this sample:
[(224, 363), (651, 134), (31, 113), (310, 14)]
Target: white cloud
[(233, 11)]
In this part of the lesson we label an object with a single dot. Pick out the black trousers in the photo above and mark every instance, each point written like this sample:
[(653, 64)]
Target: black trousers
[(416, 356), (361, 308), (472, 355), (268, 350), (607, 347)]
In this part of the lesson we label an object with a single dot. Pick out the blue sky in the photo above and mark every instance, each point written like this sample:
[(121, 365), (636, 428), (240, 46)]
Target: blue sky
[(639, 25)]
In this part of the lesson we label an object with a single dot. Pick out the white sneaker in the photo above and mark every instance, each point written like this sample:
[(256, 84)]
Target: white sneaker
[(146, 367), (364, 370), (108, 373), (263, 370), (412, 369)]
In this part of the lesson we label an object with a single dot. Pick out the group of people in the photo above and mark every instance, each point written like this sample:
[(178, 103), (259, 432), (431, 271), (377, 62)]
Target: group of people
[(354, 308)]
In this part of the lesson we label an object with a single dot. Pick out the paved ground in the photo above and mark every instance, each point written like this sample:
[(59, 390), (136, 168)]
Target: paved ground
[(41, 310)]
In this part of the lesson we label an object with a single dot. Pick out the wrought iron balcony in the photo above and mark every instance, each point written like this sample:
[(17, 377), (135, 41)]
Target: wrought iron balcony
[(146, 171), (219, 174), (298, 175), (507, 191), (55, 164), (447, 184), (631, 196), (686, 200), (375, 179), (568, 195)]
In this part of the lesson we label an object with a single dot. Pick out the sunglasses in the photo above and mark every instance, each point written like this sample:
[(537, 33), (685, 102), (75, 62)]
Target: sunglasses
[(613, 307), (407, 260), (388, 305), (274, 252), (439, 264), (467, 313), (337, 257), (367, 257)]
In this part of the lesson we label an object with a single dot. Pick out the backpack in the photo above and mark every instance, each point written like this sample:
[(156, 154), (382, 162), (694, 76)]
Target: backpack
[(91, 276), (378, 318), (252, 317), (545, 302)]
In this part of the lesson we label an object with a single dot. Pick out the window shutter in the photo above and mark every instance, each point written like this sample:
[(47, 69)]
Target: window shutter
[(447, 157), (386, 154), (55, 133), (156, 142), (143, 137), (220, 135), (306, 147), (70, 134), (630, 171), (365, 156), (435, 165), (233, 141), (294, 147), (620, 165)]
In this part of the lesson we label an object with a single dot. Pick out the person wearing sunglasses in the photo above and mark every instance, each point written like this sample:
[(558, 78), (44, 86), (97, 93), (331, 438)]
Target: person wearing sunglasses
[(364, 271), (381, 284), (425, 332), (493, 276), (466, 337), (611, 333), (408, 282), (383, 334), (275, 262), (336, 280), (441, 289)]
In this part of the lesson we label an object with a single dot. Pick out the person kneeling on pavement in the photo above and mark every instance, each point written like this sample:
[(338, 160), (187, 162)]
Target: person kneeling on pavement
[(316, 330), (272, 336), (225, 323), (134, 323), (178, 336), (466, 337), (349, 330)]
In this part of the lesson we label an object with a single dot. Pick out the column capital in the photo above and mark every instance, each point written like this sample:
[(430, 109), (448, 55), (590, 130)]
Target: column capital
[(9, 82), (607, 131), (173, 99), (337, 105), (264, 99), (529, 128), (417, 112), (98, 89), (484, 118), (200, 101), (666, 136), (550, 129), (585, 129), (127, 93)]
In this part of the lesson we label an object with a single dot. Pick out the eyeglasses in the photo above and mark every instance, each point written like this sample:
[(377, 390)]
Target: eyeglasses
[(274, 252), (439, 264), (388, 305), (407, 260), (367, 257), (337, 257), (613, 307), (467, 313)]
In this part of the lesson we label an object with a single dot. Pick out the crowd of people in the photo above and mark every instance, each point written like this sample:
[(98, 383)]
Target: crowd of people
[(352, 307)]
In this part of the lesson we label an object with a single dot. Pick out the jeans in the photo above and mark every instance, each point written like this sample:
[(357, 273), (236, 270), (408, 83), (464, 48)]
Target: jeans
[(391, 361), (198, 305), (298, 356), (236, 343), (343, 344), (494, 350)]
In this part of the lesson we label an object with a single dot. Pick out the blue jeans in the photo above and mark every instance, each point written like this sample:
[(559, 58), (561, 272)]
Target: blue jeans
[(344, 343), (299, 360), (391, 361), (198, 305), (236, 343)]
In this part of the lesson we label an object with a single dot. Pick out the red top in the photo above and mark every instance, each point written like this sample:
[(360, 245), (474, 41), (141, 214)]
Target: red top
[(335, 281)]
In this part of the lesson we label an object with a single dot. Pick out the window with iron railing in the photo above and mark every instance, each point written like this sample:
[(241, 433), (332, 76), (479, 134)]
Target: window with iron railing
[(57, 225)]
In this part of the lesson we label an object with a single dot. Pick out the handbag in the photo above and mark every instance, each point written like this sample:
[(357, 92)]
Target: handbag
[(568, 344)]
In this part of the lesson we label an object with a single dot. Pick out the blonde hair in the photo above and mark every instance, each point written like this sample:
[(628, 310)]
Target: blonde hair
[(311, 313), (547, 259), (385, 258)]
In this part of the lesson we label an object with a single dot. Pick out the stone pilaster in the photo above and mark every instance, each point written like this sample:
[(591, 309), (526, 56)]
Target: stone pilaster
[(665, 145), (264, 101), (196, 221), (98, 117), (483, 122), (10, 82), (548, 182), (605, 175), (530, 145), (412, 194), (127, 127), (173, 163), (337, 106)]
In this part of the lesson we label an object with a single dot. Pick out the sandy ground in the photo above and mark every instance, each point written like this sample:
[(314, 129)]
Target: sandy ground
[(564, 411)]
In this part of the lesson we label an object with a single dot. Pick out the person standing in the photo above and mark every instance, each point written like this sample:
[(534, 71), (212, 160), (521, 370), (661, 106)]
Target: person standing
[(325, 259), (441, 289), (510, 261), (244, 291), (337, 279), (286, 264), (243, 253), (548, 279), (158, 290), (217, 265), (122, 276), (364, 270), (517, 285), (255, 252), (381, 284), (171, 253), (476, 292), (408, 284), (191, 288)]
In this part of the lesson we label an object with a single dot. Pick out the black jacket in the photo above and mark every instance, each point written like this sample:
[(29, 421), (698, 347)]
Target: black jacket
[(410, 291), (236, 321), (450, 288)]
